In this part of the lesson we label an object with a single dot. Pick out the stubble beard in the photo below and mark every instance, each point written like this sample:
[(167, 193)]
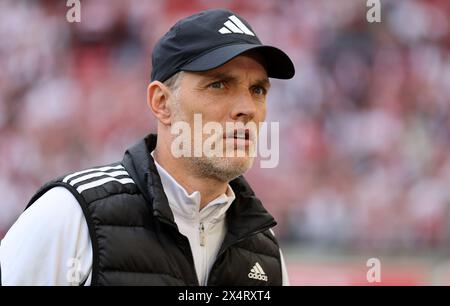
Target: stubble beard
[(223, 169)]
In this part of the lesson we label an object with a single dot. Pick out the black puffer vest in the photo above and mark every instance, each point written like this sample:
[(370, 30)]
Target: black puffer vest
[(136, 241)]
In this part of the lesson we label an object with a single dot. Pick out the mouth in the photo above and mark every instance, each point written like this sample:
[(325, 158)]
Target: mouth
[(238, 135), (239, 139), (241, 134)]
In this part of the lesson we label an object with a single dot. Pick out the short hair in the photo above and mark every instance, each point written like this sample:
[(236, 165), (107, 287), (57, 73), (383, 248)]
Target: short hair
[(173, 83)]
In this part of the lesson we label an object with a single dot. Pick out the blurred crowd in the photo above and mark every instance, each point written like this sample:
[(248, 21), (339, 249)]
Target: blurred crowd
[(365, 123)]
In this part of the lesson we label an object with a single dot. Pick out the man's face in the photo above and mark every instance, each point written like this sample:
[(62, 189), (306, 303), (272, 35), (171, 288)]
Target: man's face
[(234, 92)]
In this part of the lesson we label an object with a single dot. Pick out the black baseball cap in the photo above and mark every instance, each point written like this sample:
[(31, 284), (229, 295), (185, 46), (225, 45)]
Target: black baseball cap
[(209, 39)]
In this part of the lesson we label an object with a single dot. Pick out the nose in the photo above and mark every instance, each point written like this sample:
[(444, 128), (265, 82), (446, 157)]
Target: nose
[(244, 108)]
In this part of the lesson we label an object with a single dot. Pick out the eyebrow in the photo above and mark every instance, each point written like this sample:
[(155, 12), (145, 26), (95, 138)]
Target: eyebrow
[(264, 82), (220, 76)]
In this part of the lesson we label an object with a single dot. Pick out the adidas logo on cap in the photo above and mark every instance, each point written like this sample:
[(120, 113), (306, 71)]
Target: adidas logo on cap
[(257, 273), (234, 25)]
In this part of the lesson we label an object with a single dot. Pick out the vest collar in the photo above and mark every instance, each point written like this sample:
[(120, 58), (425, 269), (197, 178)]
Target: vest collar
[(245, 216)]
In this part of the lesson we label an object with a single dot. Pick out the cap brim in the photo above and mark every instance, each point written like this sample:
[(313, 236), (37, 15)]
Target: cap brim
[(277, 63)]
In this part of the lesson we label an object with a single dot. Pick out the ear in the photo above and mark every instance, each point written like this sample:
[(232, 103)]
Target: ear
[(158, 101)]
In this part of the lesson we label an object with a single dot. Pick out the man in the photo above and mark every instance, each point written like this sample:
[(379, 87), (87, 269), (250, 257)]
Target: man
[(158, 218)]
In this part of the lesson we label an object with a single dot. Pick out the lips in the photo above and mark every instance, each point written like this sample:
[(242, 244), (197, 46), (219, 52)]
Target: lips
[(239, 134), (242, 134)]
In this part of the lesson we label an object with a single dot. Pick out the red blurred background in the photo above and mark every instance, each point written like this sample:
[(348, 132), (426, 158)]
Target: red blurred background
[(365, 124)]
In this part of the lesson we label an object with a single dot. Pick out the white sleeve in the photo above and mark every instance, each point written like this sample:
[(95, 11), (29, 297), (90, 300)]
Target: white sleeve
[(284, 271), (49, 244)]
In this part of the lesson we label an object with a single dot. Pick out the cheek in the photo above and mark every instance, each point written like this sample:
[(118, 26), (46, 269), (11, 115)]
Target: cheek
[(261, 114), (187, 105), (214, 108), (197, 102)]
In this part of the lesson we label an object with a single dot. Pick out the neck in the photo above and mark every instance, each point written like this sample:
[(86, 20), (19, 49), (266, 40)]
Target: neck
[(209, 188)]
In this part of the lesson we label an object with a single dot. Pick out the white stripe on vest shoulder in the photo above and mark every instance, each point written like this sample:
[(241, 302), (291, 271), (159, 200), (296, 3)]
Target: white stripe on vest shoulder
[(97, 174), (67, 178), (100, 173), (102, 181)]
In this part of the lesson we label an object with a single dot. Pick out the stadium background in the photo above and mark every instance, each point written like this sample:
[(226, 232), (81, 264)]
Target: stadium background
[(365, 155)]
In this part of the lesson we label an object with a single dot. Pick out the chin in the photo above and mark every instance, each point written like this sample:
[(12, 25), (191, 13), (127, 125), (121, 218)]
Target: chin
[(223, 169), (233, 167)]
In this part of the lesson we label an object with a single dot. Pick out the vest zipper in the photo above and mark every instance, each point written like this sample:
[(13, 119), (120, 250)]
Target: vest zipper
[(202, 234), (204, 252)]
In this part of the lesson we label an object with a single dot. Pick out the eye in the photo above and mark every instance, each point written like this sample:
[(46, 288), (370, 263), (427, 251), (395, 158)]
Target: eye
[(217, 85), (259, 90)]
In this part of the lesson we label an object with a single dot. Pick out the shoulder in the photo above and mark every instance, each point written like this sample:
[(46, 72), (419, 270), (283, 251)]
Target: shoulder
[(56, 201), (36, 248), (57, 208), (99, 182)]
